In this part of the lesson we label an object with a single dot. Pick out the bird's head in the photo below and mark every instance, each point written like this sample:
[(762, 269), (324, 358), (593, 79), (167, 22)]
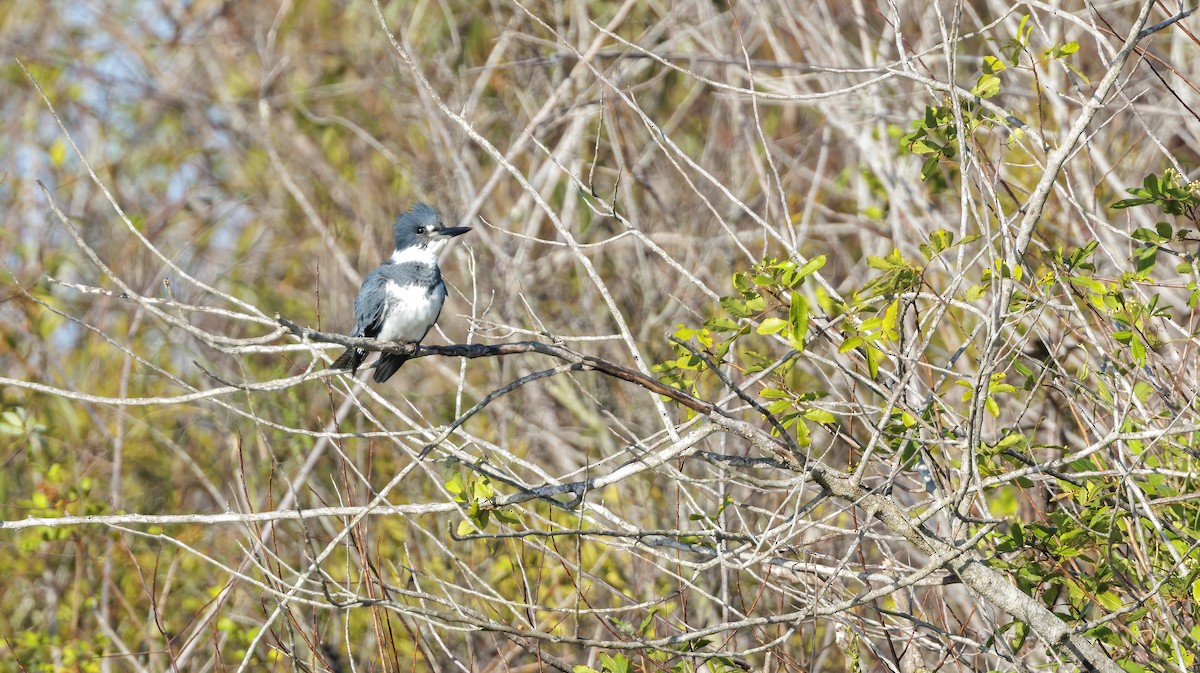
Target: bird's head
[(422, 229)]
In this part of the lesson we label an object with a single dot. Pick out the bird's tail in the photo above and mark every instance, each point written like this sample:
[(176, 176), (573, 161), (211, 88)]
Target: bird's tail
[(387, 365), (351, 359)]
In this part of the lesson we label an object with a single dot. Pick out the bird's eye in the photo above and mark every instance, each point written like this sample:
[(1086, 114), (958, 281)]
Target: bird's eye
[(420, 230)]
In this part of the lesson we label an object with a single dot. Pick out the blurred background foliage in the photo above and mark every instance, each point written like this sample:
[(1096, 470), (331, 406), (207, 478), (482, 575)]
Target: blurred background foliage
[(265, 149)]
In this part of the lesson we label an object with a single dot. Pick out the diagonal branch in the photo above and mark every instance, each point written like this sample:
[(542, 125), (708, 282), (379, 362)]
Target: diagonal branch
[(471, 351)]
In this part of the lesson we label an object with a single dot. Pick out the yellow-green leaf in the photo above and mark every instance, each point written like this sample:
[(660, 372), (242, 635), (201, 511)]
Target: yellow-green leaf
[(811, 266), (771, 326), (798, 317)]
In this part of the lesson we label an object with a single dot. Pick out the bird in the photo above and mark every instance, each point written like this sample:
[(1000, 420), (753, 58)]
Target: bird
[(401, 299)]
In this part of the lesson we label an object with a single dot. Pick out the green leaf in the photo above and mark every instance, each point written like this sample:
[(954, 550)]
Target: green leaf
[(851, 343), (929, 168), (873, 355), (1020, 633), (740, 283), (644, 628), (940, 240), (798, 319), (992, 65), (734, 307), (779, 406), (1078, 73), (923, 148), (1152, 185), (1129, 203), (1110, 600), (987, 86), (508, 516), (818, 415), (1062, 50), (811, 266), (803, 438), (618, 664), (455, 485), (1087, 282), (881, 263), (465, 527), (772, 326), (889, 321), (1023, 30), (976, 291), (1145, 258), (1139, 351), (482, 488), (722, 325), (1010, 440), (1145, 235)]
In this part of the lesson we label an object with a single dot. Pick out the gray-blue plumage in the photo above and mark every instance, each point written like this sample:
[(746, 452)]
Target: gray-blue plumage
[(402, 298)]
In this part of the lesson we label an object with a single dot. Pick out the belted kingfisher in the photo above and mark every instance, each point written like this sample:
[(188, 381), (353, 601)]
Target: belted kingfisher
[(402, 298)]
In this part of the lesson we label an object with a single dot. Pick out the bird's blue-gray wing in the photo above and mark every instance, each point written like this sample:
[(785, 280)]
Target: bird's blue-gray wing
[(370, 304), (368, 318)]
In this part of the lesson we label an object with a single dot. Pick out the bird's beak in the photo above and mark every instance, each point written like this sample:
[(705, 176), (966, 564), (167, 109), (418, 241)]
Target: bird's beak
[(451, 232)]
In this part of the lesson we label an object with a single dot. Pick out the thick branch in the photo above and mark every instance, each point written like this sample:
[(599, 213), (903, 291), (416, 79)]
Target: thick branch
[(974, 572), (963, 562)]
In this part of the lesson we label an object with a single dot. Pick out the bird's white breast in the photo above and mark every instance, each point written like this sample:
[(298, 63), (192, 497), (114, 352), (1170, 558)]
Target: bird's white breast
[(411, 311)]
